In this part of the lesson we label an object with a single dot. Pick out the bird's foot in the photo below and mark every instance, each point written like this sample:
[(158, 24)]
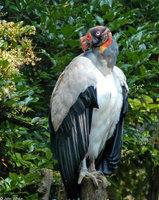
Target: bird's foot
[(96, 176), (101, 178), (85, 173)]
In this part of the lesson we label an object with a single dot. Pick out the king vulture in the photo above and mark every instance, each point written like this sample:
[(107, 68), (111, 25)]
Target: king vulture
[(88, 104)]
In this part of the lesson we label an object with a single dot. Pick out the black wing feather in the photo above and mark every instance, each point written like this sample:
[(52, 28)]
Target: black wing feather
[(70, 143), (110, 157)]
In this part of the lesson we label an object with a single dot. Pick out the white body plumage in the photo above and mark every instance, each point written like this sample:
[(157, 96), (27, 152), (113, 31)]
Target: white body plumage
[(105, 118)]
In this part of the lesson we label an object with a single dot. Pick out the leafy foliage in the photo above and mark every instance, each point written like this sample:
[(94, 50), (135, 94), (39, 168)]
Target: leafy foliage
[(15, 52), (24, 109), (21, 144)]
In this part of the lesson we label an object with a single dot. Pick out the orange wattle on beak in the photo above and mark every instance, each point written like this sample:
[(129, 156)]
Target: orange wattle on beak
[(86, 42)]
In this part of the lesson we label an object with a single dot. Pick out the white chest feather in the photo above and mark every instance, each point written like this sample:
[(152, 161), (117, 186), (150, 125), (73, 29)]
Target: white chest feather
[(109, 97)]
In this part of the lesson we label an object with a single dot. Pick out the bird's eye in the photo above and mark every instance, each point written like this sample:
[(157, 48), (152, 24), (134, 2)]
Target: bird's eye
[(98, 33)]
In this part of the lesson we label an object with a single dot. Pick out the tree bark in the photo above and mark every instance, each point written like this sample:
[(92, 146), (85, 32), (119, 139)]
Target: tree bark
[(154, 185), (88, 190), (153, 193), (62, 192), (45, 184)]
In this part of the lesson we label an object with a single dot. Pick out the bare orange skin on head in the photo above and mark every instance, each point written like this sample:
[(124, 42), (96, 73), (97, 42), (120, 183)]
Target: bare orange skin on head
[(84, 40)]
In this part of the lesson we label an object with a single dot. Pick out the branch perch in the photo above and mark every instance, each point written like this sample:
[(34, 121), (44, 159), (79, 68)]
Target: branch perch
[(88, 190), (45, 184)]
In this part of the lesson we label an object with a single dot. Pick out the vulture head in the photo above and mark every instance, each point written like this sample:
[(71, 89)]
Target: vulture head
[(98, 36), (99, 39)]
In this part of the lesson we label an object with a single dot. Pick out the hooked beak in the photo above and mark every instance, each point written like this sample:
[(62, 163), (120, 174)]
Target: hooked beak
[(86, 41)]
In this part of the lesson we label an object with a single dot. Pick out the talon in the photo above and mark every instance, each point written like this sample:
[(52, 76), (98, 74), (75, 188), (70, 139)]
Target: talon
[(104, 181), (93, 178), (85, 173), (82, 175), (80, 179)]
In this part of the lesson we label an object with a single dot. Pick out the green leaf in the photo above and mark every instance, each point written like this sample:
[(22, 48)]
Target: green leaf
[(35, 120), (48, 154), (4, 63), (100, 20), (142, 70), (67, 30)]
